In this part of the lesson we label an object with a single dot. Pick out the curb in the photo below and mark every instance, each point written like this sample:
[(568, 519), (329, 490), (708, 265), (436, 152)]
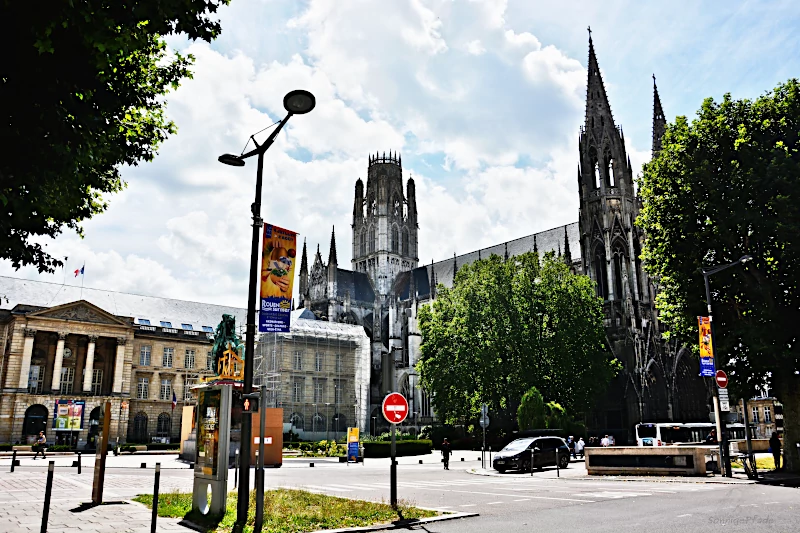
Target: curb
[(401, 524), (682, 479)]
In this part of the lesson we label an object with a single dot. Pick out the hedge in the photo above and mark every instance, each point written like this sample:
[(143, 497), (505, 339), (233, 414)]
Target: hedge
[(404, 448), (6, 447), (162, 446)]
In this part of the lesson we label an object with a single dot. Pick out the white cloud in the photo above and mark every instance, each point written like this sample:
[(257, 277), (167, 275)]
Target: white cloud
[(475, 48)]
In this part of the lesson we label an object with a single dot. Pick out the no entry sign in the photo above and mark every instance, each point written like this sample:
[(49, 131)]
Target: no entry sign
[(722, 379), (395, 408)]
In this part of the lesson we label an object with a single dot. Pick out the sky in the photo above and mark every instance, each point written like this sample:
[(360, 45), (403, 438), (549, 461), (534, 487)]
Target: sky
[(483, 99)]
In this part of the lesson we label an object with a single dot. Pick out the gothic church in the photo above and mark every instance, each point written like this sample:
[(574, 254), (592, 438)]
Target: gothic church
[(385, 286)]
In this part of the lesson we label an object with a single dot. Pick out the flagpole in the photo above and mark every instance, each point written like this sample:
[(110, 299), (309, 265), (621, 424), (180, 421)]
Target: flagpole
[(83, 276)]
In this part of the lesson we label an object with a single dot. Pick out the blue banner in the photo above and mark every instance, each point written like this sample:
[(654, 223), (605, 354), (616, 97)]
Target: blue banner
[(277, 278), (352, 452)]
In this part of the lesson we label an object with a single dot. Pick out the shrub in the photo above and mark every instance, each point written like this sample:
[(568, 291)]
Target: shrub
[(403, 448), (161, 446), (5, 447), (58, 448), (128, 448)]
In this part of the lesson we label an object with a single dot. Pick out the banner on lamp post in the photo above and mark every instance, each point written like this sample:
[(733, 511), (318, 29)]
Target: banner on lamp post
[(277, 278), (707, 368)]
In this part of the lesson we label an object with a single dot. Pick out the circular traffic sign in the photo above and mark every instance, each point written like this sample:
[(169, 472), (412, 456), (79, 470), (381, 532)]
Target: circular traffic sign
[(722, 379), (395, 408)]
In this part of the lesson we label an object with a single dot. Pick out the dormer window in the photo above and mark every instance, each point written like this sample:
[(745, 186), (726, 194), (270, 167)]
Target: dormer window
[(143, 321), (187, 327), (166, 324)]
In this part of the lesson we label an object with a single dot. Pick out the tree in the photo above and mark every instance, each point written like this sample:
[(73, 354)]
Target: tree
[(81, 94), (507, 326), (723, 186), (531, 413)]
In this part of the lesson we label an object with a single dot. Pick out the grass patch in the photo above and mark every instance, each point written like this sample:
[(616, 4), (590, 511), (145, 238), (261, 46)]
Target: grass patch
[(762, 463), (287, 511)]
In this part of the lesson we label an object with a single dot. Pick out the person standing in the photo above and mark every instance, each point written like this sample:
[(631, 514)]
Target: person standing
[(41, 441), (775, 447), (446, 451), (604, 442), (571, 446), (579, 446)]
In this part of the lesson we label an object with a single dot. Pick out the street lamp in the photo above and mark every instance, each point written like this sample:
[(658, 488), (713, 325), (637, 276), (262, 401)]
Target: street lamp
[(411, 376), (296, 102), (724, 452), (327, 421)]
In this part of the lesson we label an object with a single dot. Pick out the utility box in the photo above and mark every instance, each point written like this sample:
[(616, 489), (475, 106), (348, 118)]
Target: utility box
[(273, 433)]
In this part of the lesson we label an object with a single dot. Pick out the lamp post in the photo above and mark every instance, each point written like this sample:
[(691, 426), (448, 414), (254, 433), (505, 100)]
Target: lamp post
[(314, 421), (724, 452), (296, 103), (411, 376), (374, 423), (327, 420)]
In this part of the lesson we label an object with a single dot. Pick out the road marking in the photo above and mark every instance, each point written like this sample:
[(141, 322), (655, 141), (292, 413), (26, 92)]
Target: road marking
[(329, 487), (468, 505), (523, 500), (511, 495), (682, 515), (493, 503), (615, 495)]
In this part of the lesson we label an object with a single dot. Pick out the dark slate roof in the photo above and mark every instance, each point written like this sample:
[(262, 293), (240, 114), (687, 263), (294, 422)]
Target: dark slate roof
[(422, 286), (546, 241), (356, 283)]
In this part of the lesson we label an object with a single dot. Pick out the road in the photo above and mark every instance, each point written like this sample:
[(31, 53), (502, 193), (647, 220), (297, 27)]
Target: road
[(507, 503)]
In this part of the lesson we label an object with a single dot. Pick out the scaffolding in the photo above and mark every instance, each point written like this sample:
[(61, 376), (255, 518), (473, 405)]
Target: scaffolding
[(319, 374)]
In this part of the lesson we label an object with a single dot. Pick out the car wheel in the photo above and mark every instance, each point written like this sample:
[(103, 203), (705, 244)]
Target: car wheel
[(526, 466), (563, 461), (501, 469)]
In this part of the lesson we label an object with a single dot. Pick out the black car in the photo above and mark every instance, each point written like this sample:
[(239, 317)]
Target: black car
[(541, 450)]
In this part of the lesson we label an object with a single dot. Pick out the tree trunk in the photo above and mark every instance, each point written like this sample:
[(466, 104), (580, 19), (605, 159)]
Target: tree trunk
[(789, 390)]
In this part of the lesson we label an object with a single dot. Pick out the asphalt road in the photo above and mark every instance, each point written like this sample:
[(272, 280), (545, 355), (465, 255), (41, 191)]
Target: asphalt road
[(506, 503)]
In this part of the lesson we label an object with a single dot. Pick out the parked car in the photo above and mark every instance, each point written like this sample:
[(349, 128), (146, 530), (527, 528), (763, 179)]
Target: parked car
[(540, 450)]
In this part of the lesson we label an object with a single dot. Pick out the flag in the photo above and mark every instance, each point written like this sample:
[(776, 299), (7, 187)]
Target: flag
[(174, 400), (79, 270)]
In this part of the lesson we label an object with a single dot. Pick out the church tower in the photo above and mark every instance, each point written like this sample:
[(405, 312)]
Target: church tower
[(608, 208), (384, 223)]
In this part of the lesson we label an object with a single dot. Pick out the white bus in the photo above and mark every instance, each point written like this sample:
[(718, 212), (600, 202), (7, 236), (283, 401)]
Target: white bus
[(677, 433)]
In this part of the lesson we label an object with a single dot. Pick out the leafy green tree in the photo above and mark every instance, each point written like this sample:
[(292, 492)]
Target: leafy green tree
[(507, 326), (723, 186), (81, 94), (531, 413)]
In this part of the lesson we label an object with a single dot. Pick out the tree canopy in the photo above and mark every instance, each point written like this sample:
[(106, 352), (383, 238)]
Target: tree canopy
[(507, 326), (81, 93), (723, 186)]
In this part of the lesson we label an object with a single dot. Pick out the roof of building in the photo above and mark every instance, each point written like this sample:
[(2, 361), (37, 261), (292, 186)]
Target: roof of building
[(422, 285), (551, 240), (355, 283), (156, 310)]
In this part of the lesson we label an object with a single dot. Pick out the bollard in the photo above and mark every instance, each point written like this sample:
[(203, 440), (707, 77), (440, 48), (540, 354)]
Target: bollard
[(420, 461), (155, 499), (13, 460), (462, 459), (558, 470), (311, 465), (490, 456), (47, 493), (79, 462), (144, 465), (236, 469)]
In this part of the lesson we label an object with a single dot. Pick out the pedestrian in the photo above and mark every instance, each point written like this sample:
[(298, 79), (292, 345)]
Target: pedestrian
[(446, 451), (775, 448), (604, 442), (711, 438), (571, 445), (579, 446), (611, 440), (40, 444)]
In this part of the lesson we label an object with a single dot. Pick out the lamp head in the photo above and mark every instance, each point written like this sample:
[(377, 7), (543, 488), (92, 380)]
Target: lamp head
[(745, 258), (232, 160), (299, 102)]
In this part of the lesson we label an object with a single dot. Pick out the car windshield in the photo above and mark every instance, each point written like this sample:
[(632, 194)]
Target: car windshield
[(517, 445), (647, 432)]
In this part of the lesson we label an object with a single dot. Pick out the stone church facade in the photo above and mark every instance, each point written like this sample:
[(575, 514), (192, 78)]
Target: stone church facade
[(385, 286)]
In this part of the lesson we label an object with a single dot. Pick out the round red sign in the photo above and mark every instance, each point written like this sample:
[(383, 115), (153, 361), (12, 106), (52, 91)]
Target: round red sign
[(395, 408), (722, 379)]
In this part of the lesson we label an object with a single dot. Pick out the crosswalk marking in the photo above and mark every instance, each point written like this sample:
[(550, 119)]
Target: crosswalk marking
[(610, 494)]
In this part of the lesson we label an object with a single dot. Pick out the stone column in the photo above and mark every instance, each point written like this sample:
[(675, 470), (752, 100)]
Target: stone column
[(89, 366), (27, 353), (59, 362), (155, 386), (119, 364)]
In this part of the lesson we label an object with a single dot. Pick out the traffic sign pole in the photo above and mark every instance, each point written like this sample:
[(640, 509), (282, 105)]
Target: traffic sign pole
[(395, 410)]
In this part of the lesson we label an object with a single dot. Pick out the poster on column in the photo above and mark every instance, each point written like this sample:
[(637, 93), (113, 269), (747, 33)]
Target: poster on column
[(277, 278), (707, 369), (68, 415)]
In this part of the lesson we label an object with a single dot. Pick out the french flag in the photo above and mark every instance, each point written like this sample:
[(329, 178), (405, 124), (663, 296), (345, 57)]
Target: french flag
[(174, 400), (79, 270)]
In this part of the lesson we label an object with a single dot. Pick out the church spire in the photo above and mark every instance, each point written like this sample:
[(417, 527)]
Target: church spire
[(304, 260), (433, 281), (659, 122), (332, 254), (455, 268), (303, 275), (598, 110), (567, 253), (535, 246)]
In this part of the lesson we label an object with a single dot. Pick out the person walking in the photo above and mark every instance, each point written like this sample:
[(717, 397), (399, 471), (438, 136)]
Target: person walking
[(446, 451), (571, 446), (604, 442), (775, 448), (579, 446), (40, 444)]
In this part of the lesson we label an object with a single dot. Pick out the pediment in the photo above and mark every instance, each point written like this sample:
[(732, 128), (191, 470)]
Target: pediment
[(80, 311)]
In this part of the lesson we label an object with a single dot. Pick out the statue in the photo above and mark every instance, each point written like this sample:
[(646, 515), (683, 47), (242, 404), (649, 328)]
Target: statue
[(228, 348)]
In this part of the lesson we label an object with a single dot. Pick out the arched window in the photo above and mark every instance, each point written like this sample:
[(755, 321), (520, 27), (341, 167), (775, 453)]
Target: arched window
[(371, 239), (395, 243), (406, 250), (619, 265), (36, 417), (363, 242), (318, 422), (596, 173), (339, 422), (296, 420), (600, 274), (164, 427), (139, 427), (610, 173)]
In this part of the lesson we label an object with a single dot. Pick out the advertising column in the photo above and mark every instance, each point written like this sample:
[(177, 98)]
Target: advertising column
[(211, 464)]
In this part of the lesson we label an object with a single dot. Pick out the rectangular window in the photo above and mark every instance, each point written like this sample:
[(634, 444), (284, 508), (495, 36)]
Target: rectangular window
[(209, 361), (767, 415), (297, 391), (143, 321), (755, 414), (188, 359), (97, 381), (297, 362), (339, 366), (166, 324), (144, 356), (187, 388), (208, 329), (143, 388), (186, 327), (67, 379), (36, 379), (319, 391), (337, 391), (166, 389), (318, 362), (166, 361)]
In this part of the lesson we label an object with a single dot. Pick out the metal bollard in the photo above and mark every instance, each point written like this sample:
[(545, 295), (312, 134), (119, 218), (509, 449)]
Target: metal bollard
[(490, 456), (462, 459), (155, 499), (311, 465), (236, 469), (144, 465), (13, 460), (79, 462), (48, 491), (420, 461), (558, 470)]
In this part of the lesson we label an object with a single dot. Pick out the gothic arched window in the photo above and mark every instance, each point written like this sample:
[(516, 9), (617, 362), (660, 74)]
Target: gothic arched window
[(596, 172), (406, 249), (395, 243), (362, 238), (620, 265), (600, 274), (371, 239), (610, 172)]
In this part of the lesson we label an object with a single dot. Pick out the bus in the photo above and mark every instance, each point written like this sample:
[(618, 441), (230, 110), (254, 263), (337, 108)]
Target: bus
[(678, 433)]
